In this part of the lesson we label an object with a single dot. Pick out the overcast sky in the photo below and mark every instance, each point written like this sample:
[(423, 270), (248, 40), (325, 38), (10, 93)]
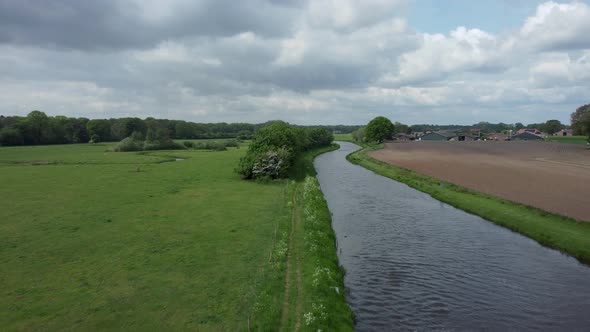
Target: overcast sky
[(306, 62)]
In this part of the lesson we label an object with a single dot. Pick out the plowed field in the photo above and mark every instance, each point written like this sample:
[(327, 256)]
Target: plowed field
[(551, 176)]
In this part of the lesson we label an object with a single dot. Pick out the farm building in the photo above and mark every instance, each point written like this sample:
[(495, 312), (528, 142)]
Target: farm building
[(497, 137), (529, 130), (435, 136), (463, 137), (402, 137), (527, 136), (564, 132)]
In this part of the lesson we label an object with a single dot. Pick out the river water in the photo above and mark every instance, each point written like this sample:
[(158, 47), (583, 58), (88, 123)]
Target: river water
[(416, 264)]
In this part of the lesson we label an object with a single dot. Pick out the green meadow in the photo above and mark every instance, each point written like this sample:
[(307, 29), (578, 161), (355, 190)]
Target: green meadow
[(92, 239), (569, 139)]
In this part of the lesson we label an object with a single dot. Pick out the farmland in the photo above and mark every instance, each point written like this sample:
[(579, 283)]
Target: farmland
[(569, 139), (548, 176), (161, 240)]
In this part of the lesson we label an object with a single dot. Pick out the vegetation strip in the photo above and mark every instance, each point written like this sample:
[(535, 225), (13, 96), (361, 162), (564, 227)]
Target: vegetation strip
[(288, 272), (314, 297), (565, 234)]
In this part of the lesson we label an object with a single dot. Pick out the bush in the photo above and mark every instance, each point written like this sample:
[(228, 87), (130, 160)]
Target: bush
[(94, 138), (232, 143), (244, 135), (215, 146), (188, 144), (272, 164), (162, 145), (128, 144), (359, 134), (275, 147)]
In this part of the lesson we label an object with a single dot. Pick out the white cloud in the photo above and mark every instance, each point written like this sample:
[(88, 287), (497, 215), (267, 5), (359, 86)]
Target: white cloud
[(462, 50), (313, 62), (558, 26), (560, 70)]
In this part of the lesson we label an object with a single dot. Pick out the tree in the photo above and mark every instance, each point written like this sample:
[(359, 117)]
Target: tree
[(552, 126), (100, 129), (10, 136), (401, 128), (577, 119), (35, 123), (584, 125), (379, 129), (318, 137), (359, 134)]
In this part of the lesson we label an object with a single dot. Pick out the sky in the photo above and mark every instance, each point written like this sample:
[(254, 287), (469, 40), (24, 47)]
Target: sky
[(305, 62)]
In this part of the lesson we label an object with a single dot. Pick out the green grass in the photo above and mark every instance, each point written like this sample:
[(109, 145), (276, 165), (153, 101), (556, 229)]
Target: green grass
[(343, 137), (567, 235), (89, 243), (315, 298), (569, 139), (92, 239), (324, 306)]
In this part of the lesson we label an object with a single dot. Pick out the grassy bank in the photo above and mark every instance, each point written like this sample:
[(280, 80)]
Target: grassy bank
[(569, 139), (306, 275), (324, 307), (564, 234)]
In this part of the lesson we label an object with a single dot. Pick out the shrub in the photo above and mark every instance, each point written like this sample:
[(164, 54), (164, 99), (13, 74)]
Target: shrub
[(359, 134), (162, 145), (271, 164), (232, 143), (128, 144), (215, 146), (244, 135), (276, 146), (188, 144)]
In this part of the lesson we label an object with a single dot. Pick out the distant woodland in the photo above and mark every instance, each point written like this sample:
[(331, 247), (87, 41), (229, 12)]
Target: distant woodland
[(38, 128)]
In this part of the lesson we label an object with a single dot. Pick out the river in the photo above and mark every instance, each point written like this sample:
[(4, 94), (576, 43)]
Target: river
[(415, 263)]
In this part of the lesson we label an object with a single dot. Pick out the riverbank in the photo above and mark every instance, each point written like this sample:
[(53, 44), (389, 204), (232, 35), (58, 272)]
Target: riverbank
[(305, 286), (565, 234)]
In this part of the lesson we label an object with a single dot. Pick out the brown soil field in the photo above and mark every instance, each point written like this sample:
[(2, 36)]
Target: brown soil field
[(551, 176)]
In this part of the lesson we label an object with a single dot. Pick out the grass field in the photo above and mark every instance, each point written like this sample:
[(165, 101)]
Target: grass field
[(343, 137), (569, 139), (91, 239), (552, 230)]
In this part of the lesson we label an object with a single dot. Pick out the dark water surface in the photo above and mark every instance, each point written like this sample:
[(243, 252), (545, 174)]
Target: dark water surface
[(414, 263)]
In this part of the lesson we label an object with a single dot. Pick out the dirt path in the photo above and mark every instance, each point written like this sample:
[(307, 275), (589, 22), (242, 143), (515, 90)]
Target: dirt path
[(298, 273), (294, 246)]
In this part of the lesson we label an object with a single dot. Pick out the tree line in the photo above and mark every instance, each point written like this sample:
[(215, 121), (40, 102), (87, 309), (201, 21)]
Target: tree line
[(38, 128)]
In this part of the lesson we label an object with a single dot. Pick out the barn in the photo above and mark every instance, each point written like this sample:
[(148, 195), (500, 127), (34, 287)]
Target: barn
[(527, 136), (434, 136)]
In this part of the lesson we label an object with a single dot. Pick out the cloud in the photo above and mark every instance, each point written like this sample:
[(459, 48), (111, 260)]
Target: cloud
[(350, 15), (558, 27), (112, 24), (302, 61)]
